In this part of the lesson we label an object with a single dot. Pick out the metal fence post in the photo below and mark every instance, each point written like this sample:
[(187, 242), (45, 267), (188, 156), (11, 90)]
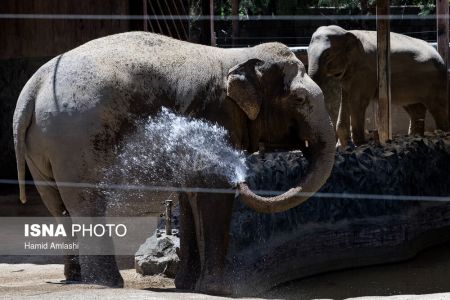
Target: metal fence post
[(168, 215)]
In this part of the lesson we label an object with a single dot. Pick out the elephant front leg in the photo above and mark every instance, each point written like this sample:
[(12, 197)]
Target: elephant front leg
[(358, 115), (72, 270), (343, 122), (189, 266), (212, 214)]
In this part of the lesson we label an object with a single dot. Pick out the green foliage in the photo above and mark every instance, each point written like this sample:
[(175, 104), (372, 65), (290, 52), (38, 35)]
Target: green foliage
[(264, 7), (425, 5), (254, 7), (339, 3), (290, 7)]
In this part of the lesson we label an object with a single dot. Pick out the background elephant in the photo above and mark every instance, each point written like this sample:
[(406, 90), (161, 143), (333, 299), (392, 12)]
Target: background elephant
[(418, 77), (80, 105)]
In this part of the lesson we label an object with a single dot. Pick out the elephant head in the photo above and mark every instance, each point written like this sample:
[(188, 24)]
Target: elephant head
[(330, 53), (286, 110)]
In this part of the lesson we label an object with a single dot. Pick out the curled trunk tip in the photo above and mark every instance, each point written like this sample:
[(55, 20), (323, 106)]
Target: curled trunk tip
[(275, 204)]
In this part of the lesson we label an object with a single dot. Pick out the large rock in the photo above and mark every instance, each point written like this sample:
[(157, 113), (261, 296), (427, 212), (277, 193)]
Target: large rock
[(158, 255)]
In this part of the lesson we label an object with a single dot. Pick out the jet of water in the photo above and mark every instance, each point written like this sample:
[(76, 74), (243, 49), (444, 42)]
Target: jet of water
[(173, 150)]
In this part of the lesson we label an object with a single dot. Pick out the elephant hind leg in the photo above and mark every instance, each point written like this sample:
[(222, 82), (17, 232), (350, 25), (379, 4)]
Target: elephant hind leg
[(416, 114), (440, 115), (49, 193), (343, 121), (97, 259), (96, 256), (189, 268)]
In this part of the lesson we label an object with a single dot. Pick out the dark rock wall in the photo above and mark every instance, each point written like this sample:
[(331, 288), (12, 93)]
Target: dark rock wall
[(331, 231)]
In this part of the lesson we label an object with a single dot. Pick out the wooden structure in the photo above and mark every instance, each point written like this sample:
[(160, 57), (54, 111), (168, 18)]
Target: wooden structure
[(164, 17), (235, 21), (384, 76), (51, 27), (54, 34), (442, 34), (383, 60), (211, 23)]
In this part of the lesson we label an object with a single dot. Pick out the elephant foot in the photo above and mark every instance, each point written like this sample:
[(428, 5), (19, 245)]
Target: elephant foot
[(213, 285), (73, 276), (343, 145), (105, 279), (417, 127), (343, 137), (189, 266), (340, 146), (357, 143), (185, 281), (101, 270), (358, 140), (72, 270)]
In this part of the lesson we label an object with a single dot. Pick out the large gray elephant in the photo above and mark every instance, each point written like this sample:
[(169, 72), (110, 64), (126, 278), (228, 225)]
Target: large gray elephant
[(81, 104), (418, 77)]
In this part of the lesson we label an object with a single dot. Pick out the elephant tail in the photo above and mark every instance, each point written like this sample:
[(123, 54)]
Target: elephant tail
[(23, 115)]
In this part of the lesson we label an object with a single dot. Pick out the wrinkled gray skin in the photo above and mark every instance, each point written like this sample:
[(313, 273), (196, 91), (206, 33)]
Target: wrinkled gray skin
[(79, 106), (418, 77)]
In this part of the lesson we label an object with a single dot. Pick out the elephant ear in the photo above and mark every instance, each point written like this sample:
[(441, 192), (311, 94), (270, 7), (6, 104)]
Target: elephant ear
[(290, 71), (351, 43), (243, 86)]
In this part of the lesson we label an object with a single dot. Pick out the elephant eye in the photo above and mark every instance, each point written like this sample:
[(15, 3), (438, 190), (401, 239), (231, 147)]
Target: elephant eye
[(338, 75), (325, 56), (330, 61), (296, 98)]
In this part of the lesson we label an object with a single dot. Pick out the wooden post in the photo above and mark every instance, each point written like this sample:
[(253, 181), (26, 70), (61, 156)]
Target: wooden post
[(145, 12), (235, 21), (384, 71), (211, 23), (205, 31), (442, 36)]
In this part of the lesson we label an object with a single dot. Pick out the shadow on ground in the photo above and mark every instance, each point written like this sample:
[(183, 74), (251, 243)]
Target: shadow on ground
[(427, 273)]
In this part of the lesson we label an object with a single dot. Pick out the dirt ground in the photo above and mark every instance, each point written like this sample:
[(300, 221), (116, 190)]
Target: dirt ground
[(426, 276)]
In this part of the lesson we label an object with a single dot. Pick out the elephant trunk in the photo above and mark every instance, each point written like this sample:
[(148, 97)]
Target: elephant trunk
[(322, 161), (314, 69)]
